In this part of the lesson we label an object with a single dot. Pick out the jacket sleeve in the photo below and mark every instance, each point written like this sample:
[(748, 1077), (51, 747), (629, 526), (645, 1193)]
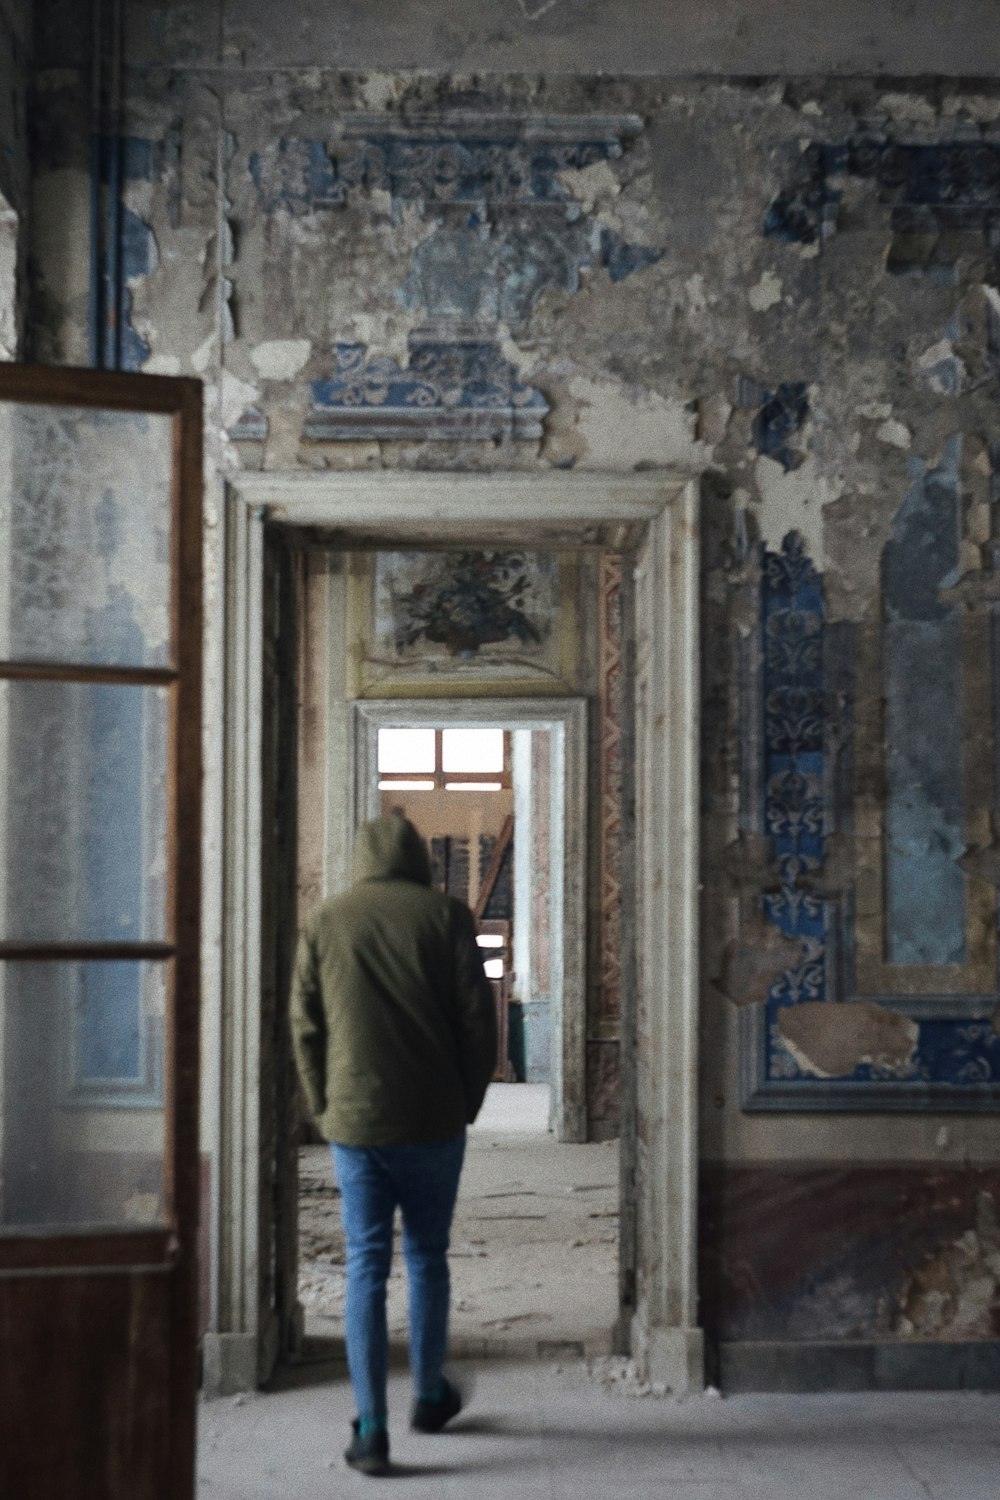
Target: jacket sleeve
[(477, 1019), (308, 1020)]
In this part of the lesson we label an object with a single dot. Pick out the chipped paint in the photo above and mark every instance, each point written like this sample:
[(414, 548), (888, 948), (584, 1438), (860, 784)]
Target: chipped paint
[(795, 501), (766, 293), (831, 1041), (281, 359)]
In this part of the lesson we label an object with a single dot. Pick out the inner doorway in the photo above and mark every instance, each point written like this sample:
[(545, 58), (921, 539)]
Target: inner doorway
[(508, 834), (498, 788)]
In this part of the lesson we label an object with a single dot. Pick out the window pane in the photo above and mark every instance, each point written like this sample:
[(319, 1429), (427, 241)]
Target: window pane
[(472, 786), (83, 812), (494, 968), (82, 1123), (472, 750), (85, 535), (406, 750)]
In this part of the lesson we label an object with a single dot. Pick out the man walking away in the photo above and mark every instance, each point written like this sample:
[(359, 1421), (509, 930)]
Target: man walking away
[(394, 1032)]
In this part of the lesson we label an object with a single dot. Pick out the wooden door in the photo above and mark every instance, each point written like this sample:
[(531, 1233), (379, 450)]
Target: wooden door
[(100, 723)]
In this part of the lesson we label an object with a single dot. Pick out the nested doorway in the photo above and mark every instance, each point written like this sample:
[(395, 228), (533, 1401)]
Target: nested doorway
[(544, 740), (657, 517)]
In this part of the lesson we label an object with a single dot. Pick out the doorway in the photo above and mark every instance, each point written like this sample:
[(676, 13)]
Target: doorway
[(656, 515), (543, 760)]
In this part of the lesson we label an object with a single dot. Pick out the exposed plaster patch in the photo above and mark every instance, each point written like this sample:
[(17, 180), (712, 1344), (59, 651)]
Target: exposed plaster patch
[(281, 359), (588, 185), (378, 91), (955, 1293), (205, 354), (237, 395), (714, 413), (831, 1040), (874, 411), (794, 501), (766, 293), (694, 290), (624, 427), (895, 434), (913, 107), (755, 960), (162, 364), (942, 369), (979, 107)]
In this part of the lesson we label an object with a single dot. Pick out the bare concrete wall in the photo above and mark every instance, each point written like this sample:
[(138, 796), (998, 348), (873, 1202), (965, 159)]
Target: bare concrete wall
[(745, 38)]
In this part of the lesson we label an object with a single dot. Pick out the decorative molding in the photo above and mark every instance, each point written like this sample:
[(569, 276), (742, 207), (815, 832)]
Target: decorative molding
[(460, 389), (581, 507), (491, 125), (612, 707), (506, 227)]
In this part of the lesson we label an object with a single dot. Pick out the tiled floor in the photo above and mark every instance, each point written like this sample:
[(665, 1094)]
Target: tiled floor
[(537, 1430)]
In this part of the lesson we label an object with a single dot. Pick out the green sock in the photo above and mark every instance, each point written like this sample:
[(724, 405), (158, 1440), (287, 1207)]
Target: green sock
[(368, 1426)]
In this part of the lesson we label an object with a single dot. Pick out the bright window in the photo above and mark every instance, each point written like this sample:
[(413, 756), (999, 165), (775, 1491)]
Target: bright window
[(453, 760), (478, 750), (410, 751)]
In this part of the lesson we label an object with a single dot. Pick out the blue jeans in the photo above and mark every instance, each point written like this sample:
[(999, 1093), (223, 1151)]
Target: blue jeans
[(423, 1181)]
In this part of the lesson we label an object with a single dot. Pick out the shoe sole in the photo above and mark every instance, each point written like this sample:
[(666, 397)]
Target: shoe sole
[(370, 1466)]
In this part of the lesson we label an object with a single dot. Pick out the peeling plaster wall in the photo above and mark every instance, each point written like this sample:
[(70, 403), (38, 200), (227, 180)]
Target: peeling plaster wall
[(719, 296)]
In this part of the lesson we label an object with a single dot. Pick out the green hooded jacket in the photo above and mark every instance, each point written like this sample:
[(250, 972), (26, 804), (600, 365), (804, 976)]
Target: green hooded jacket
[(393, 1021)]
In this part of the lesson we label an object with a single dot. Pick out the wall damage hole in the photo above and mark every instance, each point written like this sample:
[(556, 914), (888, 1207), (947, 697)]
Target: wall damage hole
[(832, 1040)]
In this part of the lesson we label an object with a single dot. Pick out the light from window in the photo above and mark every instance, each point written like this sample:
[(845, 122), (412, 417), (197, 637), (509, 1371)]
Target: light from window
[(473, 786), (404, 750), (490, 940), (494, 968), (406, 786), (479, 750)]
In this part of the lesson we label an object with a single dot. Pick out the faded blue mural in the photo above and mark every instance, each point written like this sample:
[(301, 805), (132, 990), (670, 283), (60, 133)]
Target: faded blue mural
[(808, 691), (952, 184), (458, 389), (503, 228)]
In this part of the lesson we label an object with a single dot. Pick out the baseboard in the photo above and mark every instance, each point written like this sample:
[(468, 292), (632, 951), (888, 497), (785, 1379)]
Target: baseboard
[(856, 1366)]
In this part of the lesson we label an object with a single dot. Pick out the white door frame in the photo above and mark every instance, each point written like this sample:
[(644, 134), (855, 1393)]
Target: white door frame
[(391, 508), (566, 721)]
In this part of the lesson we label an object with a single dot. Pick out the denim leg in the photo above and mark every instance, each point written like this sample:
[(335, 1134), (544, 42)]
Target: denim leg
[(427, 1184), (368, 1203)]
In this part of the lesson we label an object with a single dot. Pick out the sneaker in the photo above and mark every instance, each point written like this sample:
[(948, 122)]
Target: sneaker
[(430, 1416), (368, 1454)]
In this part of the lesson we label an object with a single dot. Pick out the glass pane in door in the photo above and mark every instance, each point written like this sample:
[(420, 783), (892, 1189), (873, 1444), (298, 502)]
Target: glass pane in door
[(82, 1120), (85, 519), (83, 812)]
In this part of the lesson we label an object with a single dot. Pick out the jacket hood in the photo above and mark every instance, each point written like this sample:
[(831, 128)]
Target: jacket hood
[(391, 849)]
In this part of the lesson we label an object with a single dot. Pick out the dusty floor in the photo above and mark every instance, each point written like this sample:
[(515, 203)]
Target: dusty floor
[(543, 1432), (534, 1245)]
